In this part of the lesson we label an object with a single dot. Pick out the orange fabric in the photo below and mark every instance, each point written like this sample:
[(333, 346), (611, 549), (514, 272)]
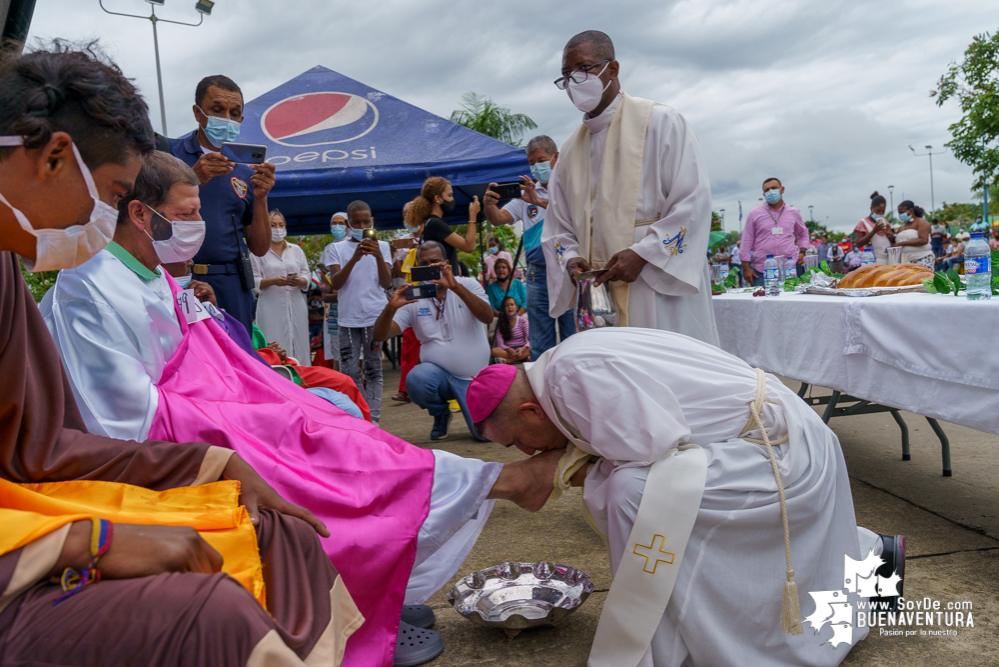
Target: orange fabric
[(30, 511), (319, 376)]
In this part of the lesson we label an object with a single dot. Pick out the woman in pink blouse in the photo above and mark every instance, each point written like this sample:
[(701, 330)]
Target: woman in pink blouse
[(512, 343)]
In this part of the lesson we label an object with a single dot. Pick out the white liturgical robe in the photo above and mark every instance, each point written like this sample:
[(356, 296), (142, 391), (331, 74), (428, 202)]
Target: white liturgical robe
[(631, 395), (671, 225)]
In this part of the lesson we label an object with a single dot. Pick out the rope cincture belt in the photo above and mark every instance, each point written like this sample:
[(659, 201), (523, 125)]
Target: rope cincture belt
[(73, 581), (790, 613)]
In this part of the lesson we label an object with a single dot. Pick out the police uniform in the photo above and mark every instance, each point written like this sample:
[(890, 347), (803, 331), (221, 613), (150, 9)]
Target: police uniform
[(226, 204)]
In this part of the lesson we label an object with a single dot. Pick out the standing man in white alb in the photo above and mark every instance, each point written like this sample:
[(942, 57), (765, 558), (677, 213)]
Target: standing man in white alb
[(361, 272), (630, 195)]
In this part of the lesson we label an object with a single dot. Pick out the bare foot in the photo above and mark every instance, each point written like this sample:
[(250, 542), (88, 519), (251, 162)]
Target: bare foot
[(528, 482)]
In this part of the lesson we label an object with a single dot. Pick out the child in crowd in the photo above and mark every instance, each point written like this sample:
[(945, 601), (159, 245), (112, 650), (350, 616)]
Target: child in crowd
[(512, 344)]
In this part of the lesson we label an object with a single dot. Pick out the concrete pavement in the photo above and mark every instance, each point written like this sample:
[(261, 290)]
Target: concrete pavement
[(951, 524)]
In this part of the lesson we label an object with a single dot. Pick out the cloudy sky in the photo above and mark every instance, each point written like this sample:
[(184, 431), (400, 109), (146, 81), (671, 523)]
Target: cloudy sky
[(825, 94)]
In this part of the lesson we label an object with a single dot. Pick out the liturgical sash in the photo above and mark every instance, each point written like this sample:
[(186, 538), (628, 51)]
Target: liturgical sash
[(614, 201)]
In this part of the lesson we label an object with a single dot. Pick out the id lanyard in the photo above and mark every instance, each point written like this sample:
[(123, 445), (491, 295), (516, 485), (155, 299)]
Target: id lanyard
[(777, 219), (445, 325)]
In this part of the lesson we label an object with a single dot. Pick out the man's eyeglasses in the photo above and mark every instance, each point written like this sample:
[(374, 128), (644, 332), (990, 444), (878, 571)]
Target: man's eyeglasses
[(579, 76)]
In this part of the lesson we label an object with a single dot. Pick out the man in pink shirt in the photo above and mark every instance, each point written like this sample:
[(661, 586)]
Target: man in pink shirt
[(772, 228)]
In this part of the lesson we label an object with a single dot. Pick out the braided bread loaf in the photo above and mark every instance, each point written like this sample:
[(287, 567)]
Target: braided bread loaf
[(879, 275)]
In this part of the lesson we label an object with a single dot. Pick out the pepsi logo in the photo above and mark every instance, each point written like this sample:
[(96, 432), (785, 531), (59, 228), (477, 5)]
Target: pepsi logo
[(318, 119)]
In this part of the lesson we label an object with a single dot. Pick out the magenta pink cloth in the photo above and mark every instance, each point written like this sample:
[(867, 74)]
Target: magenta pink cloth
[(370, 488), (488, 389)]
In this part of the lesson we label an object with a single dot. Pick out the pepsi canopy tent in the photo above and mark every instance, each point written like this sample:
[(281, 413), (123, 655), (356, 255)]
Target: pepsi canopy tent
[(335, 140)]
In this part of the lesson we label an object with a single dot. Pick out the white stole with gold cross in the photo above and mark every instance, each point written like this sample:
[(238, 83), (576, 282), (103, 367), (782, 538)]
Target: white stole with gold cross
[(649, 566)]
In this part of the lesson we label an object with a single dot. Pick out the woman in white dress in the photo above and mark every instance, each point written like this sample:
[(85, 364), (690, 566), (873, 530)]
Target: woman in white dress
[(281, 280), (914, 236)]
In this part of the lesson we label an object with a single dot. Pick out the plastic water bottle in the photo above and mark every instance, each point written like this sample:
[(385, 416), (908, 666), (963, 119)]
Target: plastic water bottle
[(771, 276), (790, 268), (725, 271), (978, 268), (867, 257)]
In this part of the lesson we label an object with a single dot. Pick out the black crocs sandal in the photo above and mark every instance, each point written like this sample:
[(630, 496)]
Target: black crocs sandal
[(415, 646), (418, 615), (893, 553)]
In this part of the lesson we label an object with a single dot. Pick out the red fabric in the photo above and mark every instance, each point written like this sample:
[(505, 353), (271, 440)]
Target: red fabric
[(318, 376), (319, 359), (410, 355)]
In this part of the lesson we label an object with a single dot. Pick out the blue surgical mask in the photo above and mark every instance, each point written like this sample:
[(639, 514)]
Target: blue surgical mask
[(542, 171), (904, 217), (220, 130), (493, 250), (338, 231), (772, 196), (184, 281), (877, 216), (356, 234)]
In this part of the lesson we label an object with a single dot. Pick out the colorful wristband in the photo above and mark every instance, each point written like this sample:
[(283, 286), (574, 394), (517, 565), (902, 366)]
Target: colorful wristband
[(73, 581)]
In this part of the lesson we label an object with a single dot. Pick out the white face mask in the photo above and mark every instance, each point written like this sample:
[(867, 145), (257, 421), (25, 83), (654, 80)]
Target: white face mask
[(184, 241), (413, 230), (70, 247), (278, 234), (586, 96)]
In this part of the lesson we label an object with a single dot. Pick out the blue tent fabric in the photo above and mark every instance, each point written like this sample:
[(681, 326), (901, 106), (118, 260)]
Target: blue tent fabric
[(335, 140)]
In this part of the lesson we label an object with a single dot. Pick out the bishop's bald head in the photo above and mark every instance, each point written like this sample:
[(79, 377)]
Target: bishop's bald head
[(506, 410), (598, 43)]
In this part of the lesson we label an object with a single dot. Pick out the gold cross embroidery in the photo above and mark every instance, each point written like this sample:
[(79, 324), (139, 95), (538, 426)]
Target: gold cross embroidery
[(651, 548)]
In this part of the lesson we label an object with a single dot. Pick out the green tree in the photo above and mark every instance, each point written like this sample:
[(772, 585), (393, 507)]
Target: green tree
[(39, 283), (486, 117), (716, 222), (974, 83)]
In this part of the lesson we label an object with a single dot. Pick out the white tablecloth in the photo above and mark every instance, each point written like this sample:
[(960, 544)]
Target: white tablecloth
[(931, 354)]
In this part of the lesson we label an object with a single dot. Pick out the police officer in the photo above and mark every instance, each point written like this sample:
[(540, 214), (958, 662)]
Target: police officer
[(233, 198)]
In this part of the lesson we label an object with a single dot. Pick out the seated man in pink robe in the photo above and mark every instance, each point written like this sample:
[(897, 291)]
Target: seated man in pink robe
[(145, 360)]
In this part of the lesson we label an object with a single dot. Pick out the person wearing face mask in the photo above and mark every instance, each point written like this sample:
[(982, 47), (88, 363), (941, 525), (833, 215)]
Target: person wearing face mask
[(914, 236), (361, 272), (874, 230), (542, 154), (495, 251), (331, 331), (630, 195), (233, 197), (772, 228), (282, 279), (424, 218), (73, 133)]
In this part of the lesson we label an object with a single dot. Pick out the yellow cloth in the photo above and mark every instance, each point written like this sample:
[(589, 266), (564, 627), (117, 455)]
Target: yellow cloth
[(30, 511), (614, 200), (407, 264)]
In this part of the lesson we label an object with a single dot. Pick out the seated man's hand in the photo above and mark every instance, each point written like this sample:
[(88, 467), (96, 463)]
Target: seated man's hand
[(279, 351), (624, 266), (255, 493), (140, 551), (203, 291)]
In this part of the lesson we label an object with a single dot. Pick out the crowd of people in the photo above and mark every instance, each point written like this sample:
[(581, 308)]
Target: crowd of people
[(776, 228), (184, 482)]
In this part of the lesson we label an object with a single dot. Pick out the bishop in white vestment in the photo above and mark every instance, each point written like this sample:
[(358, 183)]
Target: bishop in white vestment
[(630, 194), (659, 430)]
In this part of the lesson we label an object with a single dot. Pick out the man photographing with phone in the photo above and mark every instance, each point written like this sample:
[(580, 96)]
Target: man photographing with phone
[(452, 337), (361, 271), (233, 197)]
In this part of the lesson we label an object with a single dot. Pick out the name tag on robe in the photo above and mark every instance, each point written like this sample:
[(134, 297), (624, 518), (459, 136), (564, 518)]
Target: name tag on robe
[(777, 231), (214, 312), (191, 308)]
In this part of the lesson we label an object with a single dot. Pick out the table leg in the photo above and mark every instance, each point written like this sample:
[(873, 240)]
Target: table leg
[(803, 390), (944, 445), (905, 434), (830, 407)]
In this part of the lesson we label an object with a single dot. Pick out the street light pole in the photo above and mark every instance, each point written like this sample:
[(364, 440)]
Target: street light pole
[(723, 219), (929, 151), (891, 197), (811, 219), (152, 18)]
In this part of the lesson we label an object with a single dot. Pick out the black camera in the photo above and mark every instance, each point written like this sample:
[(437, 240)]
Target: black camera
[(428, 291)]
